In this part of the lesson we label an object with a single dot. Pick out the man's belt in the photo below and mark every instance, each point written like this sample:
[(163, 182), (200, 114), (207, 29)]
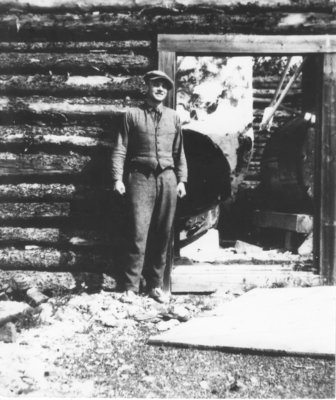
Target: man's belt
[(146, 169)]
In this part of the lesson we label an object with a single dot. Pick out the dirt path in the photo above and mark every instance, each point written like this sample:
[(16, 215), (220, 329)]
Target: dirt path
[(94, 345)]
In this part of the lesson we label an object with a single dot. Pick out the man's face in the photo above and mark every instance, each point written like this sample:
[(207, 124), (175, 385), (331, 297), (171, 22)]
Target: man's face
[(157, 90)]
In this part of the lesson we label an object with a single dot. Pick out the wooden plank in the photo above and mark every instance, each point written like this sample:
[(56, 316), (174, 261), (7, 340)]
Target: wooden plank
[(208, 278), (327, 220), (301, 223), (74, 63), (247, 44), (167, 63), (12, 165)]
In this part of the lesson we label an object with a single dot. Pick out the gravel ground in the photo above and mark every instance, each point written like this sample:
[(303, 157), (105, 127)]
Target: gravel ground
[(95, 345)]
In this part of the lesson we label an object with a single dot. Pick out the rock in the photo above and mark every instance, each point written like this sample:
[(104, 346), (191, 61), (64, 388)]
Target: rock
[(149, 379), (4, 297), (203, 249), (21, 282), (204, 385), (306, 247), (179, 312), (121, 315), (145, 316), (82, 327), (108, 320), (165, 325), (247, 248), (233, 384), (35, 297), (10, 310), (46, 313), (8, 333), (254, 381)]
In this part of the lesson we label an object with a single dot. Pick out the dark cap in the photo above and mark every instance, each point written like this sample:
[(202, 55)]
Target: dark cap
[(156, 74)]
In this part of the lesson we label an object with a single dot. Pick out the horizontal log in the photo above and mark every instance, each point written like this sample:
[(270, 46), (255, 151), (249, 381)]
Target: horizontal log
[(292, 103), (51, 259), (28, 235), (117, 5), (38, 191), (17, 282), (58, 85), (58, 237), (12, 165), (253, 175), (138, 25), (50, 192), (269, 92), (48, 110), (36, 131), (111, 46), (73, 63), (279, 113), (272, 81), (23, 211), (48, 138)]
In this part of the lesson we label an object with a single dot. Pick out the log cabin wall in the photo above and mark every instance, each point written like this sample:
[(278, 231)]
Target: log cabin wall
[(67, 72)]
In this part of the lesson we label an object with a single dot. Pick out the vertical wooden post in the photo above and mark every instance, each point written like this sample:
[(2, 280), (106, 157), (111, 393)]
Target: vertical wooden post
[(327, 220), (167, 64), (312, 102)]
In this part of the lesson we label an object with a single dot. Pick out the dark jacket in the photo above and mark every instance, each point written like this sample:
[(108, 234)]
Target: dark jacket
[(152, 138)]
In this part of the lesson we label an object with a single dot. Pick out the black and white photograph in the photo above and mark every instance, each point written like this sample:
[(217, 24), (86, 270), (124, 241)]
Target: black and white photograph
[(168, 199)]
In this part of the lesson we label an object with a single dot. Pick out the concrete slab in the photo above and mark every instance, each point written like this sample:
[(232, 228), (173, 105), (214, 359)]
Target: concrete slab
[(298, 321)]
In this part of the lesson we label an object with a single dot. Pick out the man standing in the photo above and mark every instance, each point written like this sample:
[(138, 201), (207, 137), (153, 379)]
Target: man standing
[(150, 149)]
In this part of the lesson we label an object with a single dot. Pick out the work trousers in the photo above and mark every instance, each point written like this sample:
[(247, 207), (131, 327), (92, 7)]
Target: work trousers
[(151, 201)]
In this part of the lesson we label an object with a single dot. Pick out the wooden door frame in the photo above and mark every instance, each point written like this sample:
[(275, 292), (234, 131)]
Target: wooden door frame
[(325, 144)]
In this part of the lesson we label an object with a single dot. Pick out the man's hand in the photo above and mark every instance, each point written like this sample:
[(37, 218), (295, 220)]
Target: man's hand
[(119, 187), (181, 191)]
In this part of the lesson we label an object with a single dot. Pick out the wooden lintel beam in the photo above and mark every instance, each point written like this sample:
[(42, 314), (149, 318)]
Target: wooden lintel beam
[(248, 44)]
